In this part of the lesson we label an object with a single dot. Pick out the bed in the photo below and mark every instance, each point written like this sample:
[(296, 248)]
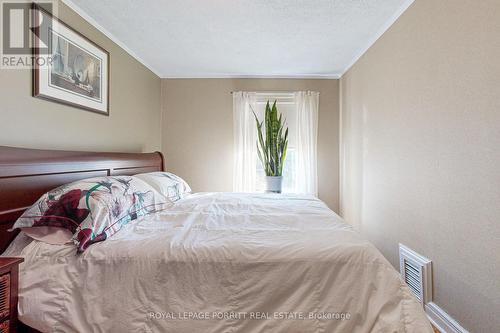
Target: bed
[(212, 262)]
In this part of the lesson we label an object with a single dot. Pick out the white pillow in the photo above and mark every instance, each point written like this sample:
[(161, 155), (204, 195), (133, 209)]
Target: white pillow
[(171, 186)]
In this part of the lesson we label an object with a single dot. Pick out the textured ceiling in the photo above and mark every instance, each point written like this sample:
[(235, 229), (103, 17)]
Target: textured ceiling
[(239, 38)]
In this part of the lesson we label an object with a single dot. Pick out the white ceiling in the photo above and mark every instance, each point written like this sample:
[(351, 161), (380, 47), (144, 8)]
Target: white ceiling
[(243, 38)]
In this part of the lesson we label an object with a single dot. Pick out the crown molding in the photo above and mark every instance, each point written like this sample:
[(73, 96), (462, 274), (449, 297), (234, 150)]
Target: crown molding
[(108, 34), (379, 33), (257, 76)]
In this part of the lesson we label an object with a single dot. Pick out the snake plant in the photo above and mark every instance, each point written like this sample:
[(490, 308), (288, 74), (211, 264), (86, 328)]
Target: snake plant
[(272, 147)]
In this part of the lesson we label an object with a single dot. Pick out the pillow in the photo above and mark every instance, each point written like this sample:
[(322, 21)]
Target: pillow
[(89, 210), (171, 186)]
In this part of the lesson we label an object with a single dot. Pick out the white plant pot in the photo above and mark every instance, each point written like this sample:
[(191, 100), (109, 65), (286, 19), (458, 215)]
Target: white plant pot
[(273, 184)]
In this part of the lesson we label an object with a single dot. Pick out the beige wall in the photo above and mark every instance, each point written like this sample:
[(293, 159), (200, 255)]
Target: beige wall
[(133, 124), (421, 141), (198, 129)]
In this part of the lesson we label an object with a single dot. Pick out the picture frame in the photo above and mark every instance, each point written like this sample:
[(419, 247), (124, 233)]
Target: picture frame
[(75, 71)]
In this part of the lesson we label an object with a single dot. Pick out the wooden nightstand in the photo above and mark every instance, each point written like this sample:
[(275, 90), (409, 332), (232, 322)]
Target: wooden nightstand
[(9, 275)]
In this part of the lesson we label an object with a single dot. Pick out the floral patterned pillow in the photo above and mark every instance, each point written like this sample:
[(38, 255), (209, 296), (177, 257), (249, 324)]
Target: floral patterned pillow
[(93, 209), (171, 186)]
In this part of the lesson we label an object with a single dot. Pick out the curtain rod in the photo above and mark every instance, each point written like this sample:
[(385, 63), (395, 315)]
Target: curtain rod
[(271, 92), (266, 92)]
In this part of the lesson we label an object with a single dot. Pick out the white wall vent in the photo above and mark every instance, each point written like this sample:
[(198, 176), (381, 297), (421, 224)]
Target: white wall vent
[(416, 271)]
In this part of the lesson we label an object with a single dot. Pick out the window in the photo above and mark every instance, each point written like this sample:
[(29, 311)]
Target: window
[(300, 110)]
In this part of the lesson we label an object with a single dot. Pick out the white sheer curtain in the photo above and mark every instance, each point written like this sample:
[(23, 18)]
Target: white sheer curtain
[(307, 103), (245, 138)]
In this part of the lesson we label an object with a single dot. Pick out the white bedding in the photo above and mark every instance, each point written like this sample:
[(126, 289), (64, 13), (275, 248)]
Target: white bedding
[(220, 262)]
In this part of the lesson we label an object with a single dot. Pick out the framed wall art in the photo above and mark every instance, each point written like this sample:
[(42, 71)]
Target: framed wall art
[(76, 70)]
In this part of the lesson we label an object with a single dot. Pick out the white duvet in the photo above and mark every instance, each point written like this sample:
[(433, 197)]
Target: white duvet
[(220, 262)]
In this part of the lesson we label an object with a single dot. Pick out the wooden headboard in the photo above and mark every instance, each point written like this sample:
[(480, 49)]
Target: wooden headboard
[(26, 174)]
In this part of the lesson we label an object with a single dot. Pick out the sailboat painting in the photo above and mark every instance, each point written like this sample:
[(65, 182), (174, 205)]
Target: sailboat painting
[(76, 71)]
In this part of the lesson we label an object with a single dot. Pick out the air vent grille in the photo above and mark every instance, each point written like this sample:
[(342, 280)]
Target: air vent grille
[(416, 271), (412, 279)]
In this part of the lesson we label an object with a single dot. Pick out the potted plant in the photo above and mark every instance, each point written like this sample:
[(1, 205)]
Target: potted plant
[(272, 147)]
